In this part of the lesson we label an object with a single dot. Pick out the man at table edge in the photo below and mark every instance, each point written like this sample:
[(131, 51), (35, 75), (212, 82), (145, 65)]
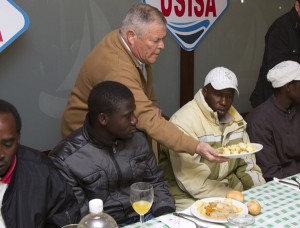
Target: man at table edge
[(210, 117), (122, 56), (276, 123)]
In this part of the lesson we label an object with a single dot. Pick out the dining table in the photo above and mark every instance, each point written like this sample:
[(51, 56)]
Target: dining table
[(280, 207)]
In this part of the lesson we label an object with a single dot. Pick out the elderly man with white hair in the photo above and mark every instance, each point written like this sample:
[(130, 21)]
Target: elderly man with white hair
[(276, 123)]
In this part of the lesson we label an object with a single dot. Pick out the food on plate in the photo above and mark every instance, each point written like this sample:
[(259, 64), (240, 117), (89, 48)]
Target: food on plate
[(218, 210), (236, 195), (254, 207), (241, 148)]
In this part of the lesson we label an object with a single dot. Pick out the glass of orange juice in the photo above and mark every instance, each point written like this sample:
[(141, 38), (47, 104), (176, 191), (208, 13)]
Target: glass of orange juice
[(141, 198)]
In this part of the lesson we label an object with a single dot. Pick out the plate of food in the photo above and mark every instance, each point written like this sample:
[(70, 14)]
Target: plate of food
[(239, 150), (217, 209)]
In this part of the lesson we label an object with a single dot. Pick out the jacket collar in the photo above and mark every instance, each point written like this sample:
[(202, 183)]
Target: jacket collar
[(89, 135), (147, 82), (126, 47), (6, 179), (290, 113), (295, 18)]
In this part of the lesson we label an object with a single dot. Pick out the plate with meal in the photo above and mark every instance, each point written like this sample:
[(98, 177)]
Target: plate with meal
[(239, 150), (217, 209)]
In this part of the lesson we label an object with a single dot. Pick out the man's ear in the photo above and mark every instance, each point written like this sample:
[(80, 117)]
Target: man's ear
[(204, 91), (19, 138), (297, 6), (102, 119), (130, 36)]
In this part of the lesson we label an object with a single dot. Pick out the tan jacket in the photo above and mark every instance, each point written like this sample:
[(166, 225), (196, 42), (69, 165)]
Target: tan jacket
[(111, 60)]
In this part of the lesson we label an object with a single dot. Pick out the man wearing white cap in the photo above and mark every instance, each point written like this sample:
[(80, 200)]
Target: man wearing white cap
[(210, 118), (276, 123), (282, 43)]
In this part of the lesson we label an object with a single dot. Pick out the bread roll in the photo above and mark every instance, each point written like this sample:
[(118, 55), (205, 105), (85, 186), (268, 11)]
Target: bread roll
[(236, 195), (253, 207)]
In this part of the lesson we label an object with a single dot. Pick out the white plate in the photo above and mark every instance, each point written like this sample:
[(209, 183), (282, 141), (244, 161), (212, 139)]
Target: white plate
[(258, 148), (217, 199)]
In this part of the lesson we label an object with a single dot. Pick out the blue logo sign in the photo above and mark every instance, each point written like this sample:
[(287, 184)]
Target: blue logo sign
[(189, 20), (13, 22)]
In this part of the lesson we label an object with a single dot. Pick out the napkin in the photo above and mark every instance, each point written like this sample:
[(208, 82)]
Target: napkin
[(177, 222), (287, 180)]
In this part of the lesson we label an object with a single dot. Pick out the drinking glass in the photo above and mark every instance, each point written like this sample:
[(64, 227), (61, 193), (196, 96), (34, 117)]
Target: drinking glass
[(73, 226), (240, 220), (141, 198)]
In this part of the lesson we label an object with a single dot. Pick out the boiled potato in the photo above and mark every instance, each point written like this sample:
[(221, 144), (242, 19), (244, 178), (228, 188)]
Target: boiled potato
[(254, 207), (236, 195)]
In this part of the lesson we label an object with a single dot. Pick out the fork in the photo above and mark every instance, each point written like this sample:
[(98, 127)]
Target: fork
[(294, 179), (183, 216)]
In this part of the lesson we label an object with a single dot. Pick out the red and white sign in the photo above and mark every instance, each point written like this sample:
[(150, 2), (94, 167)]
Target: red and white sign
[(13, 22), (189, 20)]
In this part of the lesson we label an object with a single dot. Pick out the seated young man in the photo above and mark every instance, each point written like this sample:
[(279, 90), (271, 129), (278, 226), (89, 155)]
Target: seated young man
[(276, 123), (211, 118), (32, 192), (104, 157)]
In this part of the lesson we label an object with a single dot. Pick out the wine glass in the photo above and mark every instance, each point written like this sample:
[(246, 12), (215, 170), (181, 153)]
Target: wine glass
[(73, 226), (141, 198), (240, 220)]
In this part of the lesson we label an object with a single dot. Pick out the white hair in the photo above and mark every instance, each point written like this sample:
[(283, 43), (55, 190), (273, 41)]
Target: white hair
[(139, 16)]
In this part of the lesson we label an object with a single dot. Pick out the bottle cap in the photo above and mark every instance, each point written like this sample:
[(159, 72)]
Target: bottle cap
[(96, 206)]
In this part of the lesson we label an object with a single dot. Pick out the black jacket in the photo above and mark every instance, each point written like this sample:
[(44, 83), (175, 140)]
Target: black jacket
[(37, 195), (282, 42), (105, 170)]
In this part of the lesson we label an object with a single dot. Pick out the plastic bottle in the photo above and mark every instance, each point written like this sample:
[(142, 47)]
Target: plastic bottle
[(97, 218)]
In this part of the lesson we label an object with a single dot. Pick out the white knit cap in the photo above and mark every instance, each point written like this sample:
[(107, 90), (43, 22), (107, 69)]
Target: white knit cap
[(221, 78), (283, 73)]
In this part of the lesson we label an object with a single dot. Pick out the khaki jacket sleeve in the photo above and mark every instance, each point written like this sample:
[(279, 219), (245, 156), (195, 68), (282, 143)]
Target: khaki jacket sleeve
[(157, 127), (248, 172)]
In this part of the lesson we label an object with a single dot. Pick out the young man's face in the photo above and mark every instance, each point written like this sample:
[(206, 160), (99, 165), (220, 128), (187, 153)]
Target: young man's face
[(148, 46), (297, 7), (122, 122), (294, 92), (9, 141), (218, 100)]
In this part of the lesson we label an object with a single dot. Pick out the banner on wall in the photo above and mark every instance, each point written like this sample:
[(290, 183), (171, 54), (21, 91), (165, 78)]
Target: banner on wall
[(189, 20), (13, 22)]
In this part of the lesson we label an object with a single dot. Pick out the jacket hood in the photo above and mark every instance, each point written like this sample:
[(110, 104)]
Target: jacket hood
[(210, 114)]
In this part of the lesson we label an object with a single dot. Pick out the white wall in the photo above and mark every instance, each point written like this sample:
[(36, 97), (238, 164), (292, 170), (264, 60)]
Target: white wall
[(38, 70)]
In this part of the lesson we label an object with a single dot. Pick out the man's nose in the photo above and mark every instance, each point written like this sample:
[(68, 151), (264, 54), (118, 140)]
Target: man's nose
[(1, 152), (161, 45), (134, 120), (223, 101)]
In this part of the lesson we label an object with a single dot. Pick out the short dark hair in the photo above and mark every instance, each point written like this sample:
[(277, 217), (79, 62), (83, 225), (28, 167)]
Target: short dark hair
[(105, 97), (6, 107)]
